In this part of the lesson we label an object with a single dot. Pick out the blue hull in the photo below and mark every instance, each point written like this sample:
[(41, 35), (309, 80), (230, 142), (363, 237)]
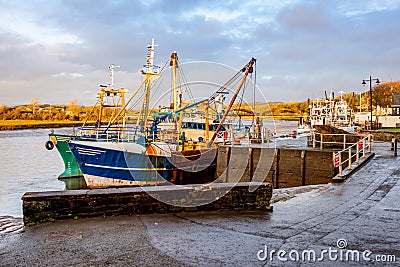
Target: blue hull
[(118, 164)]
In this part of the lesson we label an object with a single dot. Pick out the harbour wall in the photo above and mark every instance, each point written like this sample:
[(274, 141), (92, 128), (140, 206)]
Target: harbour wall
[(281, 167), (49, 206), (237, 170)]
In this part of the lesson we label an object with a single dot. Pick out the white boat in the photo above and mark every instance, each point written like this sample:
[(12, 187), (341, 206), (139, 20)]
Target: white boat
[(328, 112)]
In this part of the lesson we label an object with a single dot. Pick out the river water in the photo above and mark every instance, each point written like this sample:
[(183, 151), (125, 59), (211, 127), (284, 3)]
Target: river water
[(26, 165)]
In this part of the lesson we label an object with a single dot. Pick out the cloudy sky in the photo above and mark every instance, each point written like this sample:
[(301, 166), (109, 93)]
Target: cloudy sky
[(60, 50)]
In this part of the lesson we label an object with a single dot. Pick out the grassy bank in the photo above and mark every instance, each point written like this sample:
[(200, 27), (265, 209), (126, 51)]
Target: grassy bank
[(390, 130), (34, 124)]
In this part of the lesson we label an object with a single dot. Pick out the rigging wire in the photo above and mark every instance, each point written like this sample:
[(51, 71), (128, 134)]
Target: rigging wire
[(157, 84), (185, 82), (230, 83)]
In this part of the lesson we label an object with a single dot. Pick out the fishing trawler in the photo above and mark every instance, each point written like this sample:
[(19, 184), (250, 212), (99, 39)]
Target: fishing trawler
[(161, 150), (330, 112), (343, 115)]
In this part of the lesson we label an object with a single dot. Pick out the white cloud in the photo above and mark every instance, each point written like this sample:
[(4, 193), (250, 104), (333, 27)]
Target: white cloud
[(22, 21), (221, 15), (70, 75), (359, 8), (61, 74), (76, 75)]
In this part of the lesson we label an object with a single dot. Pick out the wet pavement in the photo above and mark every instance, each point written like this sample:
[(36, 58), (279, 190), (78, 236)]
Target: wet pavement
[(337, 222), (10, 224)]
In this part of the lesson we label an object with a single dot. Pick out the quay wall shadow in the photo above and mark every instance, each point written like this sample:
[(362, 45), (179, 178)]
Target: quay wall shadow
[(281, 167)]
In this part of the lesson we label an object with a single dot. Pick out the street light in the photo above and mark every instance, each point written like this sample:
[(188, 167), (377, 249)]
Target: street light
[(370, 92)]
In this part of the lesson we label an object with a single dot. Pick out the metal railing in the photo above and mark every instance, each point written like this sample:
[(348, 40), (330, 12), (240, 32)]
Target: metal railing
[(110, 134), (362, 147), (338, 139), (263, 137)]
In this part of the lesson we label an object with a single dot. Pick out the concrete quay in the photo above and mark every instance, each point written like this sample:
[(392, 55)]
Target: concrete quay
[(362, 212)]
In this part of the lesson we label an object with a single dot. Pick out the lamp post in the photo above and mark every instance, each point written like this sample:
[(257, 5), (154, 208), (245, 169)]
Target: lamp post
[(370, 93)]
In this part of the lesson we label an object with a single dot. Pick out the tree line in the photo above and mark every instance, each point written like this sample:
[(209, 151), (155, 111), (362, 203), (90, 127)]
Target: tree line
[(46, 112), (381, 96)]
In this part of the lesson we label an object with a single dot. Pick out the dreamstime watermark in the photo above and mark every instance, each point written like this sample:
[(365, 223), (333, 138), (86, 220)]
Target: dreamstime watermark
[(338, 253), (156, 168)]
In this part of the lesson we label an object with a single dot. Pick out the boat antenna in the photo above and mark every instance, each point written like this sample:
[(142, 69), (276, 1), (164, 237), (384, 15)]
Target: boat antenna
[(111, 68)]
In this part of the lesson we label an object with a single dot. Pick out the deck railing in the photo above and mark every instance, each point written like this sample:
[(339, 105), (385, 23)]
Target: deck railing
[(346, 156), (114, 134)]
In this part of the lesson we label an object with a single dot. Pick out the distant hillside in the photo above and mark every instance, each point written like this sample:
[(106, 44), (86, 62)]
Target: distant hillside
[(289, 109)]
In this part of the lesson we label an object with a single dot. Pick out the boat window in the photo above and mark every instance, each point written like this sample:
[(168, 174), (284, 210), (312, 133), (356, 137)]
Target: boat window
[(215, 126)]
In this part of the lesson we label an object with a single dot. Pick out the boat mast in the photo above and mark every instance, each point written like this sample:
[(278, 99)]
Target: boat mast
[(149, 71), (174, 63), (106, 90), (248, 69)]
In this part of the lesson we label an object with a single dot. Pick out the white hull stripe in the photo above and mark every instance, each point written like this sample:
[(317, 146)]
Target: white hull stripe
[(63, 139), (125, 169), (88, 151)]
